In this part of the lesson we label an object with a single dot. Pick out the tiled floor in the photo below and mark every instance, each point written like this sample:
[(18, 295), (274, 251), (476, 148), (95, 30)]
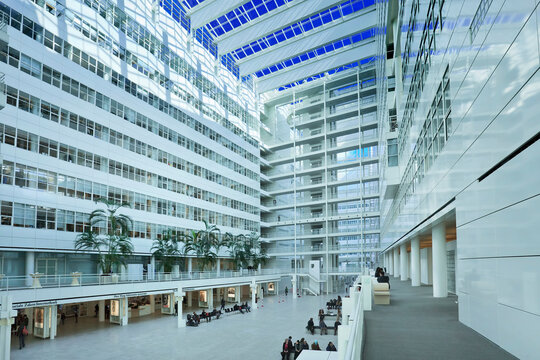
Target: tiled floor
[(256, 335)]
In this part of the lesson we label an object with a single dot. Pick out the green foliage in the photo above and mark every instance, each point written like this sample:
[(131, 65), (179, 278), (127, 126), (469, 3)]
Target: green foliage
[(166, 250), (245, 250), (115, 245)]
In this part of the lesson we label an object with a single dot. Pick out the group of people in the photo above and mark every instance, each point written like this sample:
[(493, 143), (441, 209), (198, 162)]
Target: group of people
[(322, 324), (381, 277), (288, 348), (334, 303), (195, 319)]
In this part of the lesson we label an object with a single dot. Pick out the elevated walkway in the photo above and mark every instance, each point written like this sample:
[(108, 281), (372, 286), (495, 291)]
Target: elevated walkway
[(418, 326)]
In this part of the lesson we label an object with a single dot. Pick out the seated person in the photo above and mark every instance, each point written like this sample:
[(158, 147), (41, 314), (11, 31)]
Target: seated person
[(336, 324), (196, 318), (311, 326), (247, 307), (331, 347), (315, 346), (235, 307), (190, 321), (384, 279)]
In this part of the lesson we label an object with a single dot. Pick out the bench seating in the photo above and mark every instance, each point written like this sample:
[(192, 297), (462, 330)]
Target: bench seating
[(381, 293)]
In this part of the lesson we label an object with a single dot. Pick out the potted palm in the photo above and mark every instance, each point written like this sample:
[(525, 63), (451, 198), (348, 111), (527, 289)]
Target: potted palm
[(114, 245), (166, 251)]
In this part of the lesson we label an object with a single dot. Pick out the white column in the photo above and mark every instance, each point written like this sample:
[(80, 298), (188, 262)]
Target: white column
[(190, 298), (6, 319), (179, 297), (415, 261), (101, 311), (403, 261), (190, 266), (29, 266), (293, 287), (53, 313), (152, 268), (210, 294), (152, 304), (438, 239), (253, 295), (237, 294), (396, 262), (218, 266), (124, 311)]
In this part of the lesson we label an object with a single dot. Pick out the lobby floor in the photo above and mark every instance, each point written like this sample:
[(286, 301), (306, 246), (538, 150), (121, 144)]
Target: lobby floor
[(256, 335), (418, 326)]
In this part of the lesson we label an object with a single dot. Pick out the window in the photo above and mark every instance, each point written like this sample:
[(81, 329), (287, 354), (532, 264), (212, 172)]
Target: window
[(6, 211), (46, 218)]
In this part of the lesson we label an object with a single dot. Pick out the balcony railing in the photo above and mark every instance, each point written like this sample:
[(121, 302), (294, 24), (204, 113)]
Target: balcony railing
[(10, 283)]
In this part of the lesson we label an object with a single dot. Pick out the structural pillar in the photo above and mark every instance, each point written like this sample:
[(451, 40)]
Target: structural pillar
[(124, 311), (179, 298), (53, 313), (293, 280), (210, 293), (152, 303), (403, 261), (29, 267), (190, 298), (218, 267), (7, 315), (101, 311), (190, 266), (415, 261), (151, 268), (237, 294), (440, 280), (254, 304), (396, 261)]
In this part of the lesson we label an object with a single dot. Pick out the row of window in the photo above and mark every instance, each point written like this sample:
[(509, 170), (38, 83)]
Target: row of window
[(29, 103), (116, 17), (31, 142), (422, 64), (73, 87), (35, 178), (39, 217), (435, 132), (90, 63)]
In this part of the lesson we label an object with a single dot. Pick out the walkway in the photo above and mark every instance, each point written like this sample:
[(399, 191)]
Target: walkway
[(256, 335), (418, 326)]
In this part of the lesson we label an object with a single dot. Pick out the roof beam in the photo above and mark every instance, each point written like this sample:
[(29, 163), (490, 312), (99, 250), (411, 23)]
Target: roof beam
[(316, 66), (212, 9), (301, 44), (271, 22)]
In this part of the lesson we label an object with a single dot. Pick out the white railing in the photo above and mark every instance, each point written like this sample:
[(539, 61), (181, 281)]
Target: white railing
[(10, 283), (350, 334)]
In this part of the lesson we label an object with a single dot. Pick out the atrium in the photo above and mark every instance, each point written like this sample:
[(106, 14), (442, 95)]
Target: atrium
[(199, 178)]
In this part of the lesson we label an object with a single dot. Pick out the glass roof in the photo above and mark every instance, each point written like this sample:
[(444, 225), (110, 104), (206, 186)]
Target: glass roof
[(325, 49), (243, 14), (191, 3), (334, 13), (353, 65)]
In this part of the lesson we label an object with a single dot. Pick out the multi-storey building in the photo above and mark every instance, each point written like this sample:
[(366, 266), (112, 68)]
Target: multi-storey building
[(101, 103)]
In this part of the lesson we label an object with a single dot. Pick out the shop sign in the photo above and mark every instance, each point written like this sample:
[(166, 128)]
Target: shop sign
[(34, 304)]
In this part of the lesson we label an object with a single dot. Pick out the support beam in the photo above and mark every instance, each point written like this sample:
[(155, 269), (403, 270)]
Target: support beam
[(179, 298), (53, 313), (101, 311), (301, 44), (253, 286), (440, 280), (293, 280), (275, 20), (29, 267), (335, 59), (415, 261), (403, 261), (7, 315), (209, 10)]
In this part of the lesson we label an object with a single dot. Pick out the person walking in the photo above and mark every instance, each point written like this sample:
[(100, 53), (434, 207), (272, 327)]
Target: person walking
[(176, 308), (286, 291), (76, 312), (222, 304), (311, 326), (285, 350), (21, 333), (96, 310), (290, 347)]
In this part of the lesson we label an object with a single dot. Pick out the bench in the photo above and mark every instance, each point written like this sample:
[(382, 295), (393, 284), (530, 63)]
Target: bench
[(381, 293)]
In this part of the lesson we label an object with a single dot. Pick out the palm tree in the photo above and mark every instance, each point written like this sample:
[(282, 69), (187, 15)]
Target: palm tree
[(115, 245), (207, 244), (166, 249), (187, 239)]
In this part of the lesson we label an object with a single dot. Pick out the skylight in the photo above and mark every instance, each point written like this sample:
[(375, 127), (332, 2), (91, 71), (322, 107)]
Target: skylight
[(334, 13), (191, 3), (355, 38), (243, 14), (361, 63)]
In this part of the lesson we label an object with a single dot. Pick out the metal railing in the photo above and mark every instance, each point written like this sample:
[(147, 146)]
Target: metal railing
[(37, 281)]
